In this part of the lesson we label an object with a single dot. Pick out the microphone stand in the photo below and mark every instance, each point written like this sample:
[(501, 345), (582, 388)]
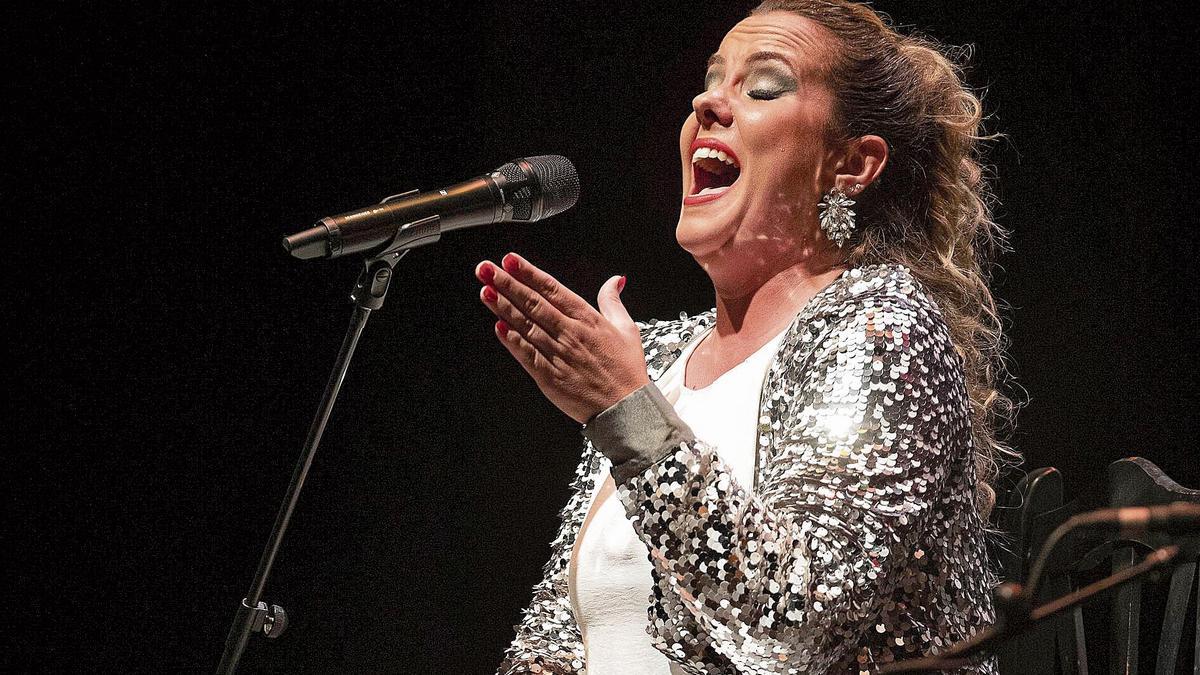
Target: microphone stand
[(253, 614), (1016, 616)]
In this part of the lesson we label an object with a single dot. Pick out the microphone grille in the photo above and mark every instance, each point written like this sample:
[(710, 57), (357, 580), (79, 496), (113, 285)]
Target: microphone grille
[(522, 198), (558, 180)]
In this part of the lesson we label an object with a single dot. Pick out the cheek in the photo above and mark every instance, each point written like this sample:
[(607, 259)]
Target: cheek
[(788, 145)]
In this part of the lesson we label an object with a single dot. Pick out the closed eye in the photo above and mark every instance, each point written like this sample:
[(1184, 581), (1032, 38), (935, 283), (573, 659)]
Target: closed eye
[(769, 83)]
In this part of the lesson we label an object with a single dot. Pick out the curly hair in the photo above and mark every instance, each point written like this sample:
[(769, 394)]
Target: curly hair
[(931, 208)]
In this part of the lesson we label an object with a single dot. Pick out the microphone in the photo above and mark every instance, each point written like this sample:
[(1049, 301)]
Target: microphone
[(524, 190), (1173, 518)]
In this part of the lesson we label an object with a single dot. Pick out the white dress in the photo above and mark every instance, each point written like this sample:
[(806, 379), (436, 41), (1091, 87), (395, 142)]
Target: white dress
[(609, 576)]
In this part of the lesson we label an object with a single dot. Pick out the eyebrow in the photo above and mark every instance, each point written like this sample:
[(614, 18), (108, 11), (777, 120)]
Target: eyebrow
[(718, 60)]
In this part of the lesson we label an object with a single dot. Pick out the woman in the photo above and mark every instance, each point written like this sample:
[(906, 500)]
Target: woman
[(795, 482)]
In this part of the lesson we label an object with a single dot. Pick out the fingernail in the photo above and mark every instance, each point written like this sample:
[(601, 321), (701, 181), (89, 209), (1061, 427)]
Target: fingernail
[(502, 328), (489, 294), (511, 263), (620, 284), (485, 272)]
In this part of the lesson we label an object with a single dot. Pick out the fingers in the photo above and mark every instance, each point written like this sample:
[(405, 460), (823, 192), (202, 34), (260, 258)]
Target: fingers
[(514, 319), (531, 304), (561, 297), (521, 349)]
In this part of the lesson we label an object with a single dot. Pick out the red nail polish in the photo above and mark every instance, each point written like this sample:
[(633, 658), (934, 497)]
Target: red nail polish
[(621, 284), (511, 263), (487, 273), (489, 294), (502, 329)]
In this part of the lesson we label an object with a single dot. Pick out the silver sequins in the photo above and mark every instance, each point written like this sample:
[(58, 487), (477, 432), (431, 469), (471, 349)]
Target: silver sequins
[(858, 543)]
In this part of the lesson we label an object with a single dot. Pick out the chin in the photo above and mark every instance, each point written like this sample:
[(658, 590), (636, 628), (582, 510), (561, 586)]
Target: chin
[(702, 237)]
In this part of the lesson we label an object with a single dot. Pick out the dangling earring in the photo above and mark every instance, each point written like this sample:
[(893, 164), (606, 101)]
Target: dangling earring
[(837, 220)]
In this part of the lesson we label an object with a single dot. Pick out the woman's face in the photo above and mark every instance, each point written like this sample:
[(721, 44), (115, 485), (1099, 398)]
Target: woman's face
[(766, 109)]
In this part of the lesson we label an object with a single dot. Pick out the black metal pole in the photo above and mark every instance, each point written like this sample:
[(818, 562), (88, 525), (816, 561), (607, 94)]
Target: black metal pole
[(959, 655), (244, 619), (369, 293)]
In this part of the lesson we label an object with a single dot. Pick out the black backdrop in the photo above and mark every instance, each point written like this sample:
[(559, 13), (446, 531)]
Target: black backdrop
[(166, 356)]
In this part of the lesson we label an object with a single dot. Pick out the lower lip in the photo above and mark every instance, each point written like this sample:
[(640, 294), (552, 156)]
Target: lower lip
[(693, 200)]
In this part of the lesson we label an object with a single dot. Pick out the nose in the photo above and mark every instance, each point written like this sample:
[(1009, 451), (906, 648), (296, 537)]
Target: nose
[(712, 107)]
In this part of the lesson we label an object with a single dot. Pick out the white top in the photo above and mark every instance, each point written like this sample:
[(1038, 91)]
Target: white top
[(609, 577)]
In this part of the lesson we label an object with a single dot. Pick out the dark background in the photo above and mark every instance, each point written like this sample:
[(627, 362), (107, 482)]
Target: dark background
[(166, 356)]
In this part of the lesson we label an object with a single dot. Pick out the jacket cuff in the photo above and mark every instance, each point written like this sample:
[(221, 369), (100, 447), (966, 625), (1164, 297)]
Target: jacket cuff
[(637, 431)]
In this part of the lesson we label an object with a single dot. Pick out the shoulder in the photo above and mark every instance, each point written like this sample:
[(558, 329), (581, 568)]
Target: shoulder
[(881, 312), (861, 288), (879, 297), (879, 344)]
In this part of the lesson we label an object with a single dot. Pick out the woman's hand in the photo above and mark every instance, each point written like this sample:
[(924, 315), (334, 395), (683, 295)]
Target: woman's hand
[(584, 361)]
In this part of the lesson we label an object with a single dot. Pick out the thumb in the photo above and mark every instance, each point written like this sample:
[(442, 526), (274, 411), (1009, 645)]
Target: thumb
[(609, 302)]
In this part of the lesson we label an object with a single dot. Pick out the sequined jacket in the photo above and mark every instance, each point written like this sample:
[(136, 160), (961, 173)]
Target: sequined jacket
[(859, 542)]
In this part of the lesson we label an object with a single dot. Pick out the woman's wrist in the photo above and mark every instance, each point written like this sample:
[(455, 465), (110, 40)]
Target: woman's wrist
[(637, 431)]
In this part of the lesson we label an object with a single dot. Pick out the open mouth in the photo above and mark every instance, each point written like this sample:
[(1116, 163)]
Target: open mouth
[(714, 170)]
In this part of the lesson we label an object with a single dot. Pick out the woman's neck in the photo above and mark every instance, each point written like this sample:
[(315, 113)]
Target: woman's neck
[(756, 316), (745, 322)]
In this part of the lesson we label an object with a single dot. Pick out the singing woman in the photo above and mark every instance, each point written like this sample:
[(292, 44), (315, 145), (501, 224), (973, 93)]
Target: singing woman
[(798, 480)]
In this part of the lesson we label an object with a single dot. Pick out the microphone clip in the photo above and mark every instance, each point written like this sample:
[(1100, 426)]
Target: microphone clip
[(372, 286)]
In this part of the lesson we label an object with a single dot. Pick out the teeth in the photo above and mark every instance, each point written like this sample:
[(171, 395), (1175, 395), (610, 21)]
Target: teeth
[(702, 153), (712, 190)]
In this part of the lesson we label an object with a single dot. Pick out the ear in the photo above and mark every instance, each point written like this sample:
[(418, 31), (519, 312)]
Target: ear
[(864, 161)]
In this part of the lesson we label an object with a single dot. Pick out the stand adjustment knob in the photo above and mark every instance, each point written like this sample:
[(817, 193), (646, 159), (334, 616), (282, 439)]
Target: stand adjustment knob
[(275, 622), (272, 620)]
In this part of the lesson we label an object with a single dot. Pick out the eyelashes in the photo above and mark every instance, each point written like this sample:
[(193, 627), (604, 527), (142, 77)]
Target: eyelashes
[(764, 94)]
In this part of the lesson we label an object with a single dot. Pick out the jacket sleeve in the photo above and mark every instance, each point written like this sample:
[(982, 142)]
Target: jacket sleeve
[(791, 574), (547, 639)]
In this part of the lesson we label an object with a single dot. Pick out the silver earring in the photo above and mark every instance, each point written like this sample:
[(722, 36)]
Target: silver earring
[(837, 220)]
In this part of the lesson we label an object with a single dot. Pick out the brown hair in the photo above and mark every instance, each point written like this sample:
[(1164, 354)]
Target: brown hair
[(930, 210)]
